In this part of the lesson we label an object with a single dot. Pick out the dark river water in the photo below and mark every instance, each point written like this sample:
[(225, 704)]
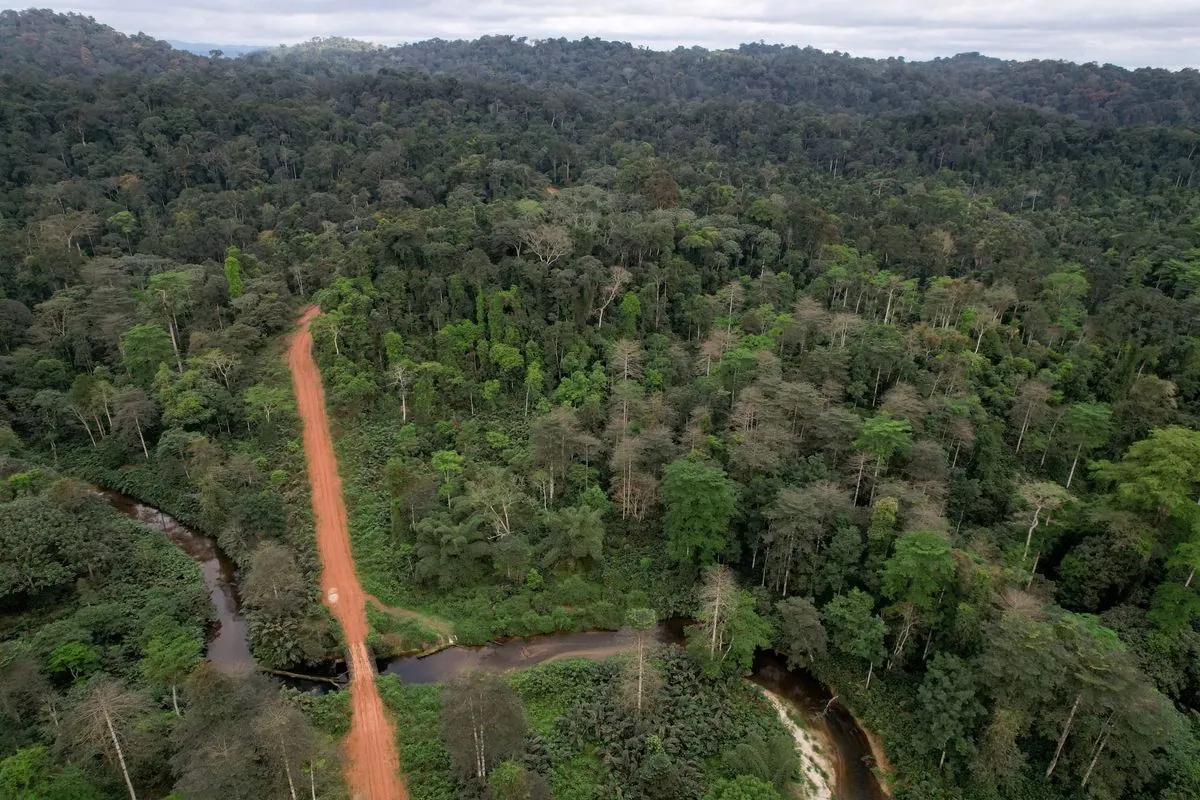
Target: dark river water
[(228, 649), (852, 759)]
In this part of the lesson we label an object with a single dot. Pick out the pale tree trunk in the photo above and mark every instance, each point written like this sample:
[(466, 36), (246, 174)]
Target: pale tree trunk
[(175, 700), (716, 625), (287, 768), (1190, 576), (312, 779), (1033, 570), (1074, 463), (112, 732), (141, 438), (870, 672), (1024, 427), (1049, 439), (175, 344), (88, 428), (1062, 740), (1100, 743), (1029, 535), (875, 481), (862, 467), (909, 622)]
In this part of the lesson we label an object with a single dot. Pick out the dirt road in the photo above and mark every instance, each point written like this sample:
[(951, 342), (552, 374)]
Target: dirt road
[(373, 765)]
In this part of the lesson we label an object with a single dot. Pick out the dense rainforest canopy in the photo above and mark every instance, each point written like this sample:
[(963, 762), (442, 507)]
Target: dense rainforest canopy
[(891, 367)]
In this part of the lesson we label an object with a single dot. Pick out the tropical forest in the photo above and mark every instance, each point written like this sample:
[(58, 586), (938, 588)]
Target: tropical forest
[(512, 420)]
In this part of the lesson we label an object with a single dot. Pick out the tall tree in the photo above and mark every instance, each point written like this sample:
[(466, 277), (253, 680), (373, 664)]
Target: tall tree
[(699, 503), (482, 723)]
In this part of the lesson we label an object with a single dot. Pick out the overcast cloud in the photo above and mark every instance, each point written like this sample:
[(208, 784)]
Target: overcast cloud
[(1163, 33)]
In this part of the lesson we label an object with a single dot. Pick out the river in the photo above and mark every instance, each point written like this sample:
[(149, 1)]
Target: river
[(831, 721), (228, 649)]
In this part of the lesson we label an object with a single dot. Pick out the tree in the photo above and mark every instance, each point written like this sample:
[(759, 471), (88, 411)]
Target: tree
[(611, 291), (169, 295), (854, 629), (28, 774), (134, 408), (801, 635), (400, 379), (549, 243), (219, 364), (168, 661), (640, 679), (448, 464), (499, 496), (728, 629), (77, 658), (102, 717), (559, 441), (1029, 408), (801, 520), (576, 539), (915, 576), (948, 706), (1158, 476), (264, 400), (274, 583), (144, 348), (1086, 426), (482, 723), (241, 739), (699, 503), (880, 438), (233, 272), (1043, 497)]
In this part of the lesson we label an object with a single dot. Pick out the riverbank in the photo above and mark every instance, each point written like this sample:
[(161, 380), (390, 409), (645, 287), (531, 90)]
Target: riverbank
[(839, 745)]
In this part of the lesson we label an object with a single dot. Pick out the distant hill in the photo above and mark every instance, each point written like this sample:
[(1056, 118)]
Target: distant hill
[(41, 40), (789, 75), (204, 48), (615, 71)]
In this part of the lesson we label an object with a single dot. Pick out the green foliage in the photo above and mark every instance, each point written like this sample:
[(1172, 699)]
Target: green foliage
[(919, 569), (424, 759), (29, 774), (145, 348), (328, 712), (233, 273), (75, 658), (699, 503), (743, 787), (800, 635), (852, 626), (948, 281)]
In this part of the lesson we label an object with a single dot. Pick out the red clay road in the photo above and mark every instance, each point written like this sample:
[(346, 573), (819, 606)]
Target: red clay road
[(373, 765)]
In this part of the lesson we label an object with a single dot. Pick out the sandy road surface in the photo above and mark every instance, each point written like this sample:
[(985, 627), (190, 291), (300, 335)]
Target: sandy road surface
[(373, 765)]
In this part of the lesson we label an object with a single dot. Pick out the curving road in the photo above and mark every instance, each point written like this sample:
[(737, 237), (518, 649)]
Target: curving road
[(373, 764)]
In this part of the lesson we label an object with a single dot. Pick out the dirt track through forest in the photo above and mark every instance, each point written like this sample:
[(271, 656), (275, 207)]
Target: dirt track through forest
[(373, 764)]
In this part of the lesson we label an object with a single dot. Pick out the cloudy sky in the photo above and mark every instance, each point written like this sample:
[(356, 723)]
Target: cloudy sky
[(1128, 32)]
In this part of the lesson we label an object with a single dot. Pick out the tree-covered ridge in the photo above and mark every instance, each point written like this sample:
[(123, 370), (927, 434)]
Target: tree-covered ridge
[(777, 73), (909, 396)]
